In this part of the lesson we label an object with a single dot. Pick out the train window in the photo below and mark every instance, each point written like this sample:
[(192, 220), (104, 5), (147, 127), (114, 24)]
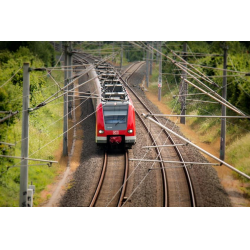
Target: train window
[(115, 119), (115, 112)]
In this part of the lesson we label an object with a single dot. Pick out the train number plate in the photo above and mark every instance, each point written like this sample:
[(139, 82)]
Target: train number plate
[(115, 132)]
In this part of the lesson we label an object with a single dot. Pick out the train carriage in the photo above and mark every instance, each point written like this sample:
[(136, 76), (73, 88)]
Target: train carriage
[(115, 115)]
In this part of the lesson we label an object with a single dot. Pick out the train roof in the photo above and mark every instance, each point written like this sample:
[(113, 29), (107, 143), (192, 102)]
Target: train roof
[(112, 89)]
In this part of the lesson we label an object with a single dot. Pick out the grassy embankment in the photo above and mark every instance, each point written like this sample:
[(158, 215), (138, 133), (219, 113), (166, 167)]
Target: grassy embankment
[(41, 132), (208, 130)]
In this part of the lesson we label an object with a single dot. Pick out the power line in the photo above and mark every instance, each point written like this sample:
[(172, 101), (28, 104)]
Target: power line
[(199, 148), (228, 70), (11, 77), (10, 115)]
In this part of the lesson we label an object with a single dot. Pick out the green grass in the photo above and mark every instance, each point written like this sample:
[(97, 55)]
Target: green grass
[(208, 130), (40, 133), (238, 154)]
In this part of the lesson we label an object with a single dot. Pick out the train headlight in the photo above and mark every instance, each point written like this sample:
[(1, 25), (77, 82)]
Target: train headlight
[(101, 131), (130, 131)]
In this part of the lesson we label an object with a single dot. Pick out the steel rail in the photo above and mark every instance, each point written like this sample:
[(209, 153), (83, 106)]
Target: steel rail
[(104, 167), (124, 185), (157, 151), (190, 185), (164, 178)]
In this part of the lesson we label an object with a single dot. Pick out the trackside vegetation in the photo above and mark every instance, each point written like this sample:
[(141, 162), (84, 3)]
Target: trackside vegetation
[(238, 93), (44, 124)]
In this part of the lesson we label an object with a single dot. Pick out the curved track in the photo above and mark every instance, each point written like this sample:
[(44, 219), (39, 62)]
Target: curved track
[(179, 184)]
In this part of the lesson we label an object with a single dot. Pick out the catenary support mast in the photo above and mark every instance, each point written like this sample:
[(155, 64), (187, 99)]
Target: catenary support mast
[(25, 138)]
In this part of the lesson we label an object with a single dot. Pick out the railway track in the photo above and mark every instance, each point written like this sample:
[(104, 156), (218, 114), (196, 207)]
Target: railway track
[(113, 176), (177, 184), (145, 188), (114, 172)]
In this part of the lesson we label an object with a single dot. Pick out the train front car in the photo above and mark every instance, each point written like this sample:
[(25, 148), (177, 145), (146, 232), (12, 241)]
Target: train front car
[(115, 116)]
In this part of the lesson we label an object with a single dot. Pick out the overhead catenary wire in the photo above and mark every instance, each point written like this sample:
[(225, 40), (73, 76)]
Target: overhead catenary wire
[(199, 148), (134, 190), (58, 85), (176, 162), (221, 98), (217, 76), (53, 68), (60, 134), (64, 93), (227, 70), (11, 77), (80, 75), (57, 137), (240, 77), (71, 110), (182, 68), (8, 144), (213, 97), (200, 116), (187, 63), (186, 70), (24, 158), (201, 101), (195, 53), (140, 163), (60, 117), (143, 179), (10, 115), (227, 121)]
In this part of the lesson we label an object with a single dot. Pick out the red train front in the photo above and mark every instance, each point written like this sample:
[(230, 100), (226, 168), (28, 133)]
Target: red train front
[(115, 115), (115, 124)]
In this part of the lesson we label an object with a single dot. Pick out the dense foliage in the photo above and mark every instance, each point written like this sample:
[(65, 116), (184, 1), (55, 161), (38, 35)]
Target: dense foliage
[(238, 89), (238, 93), (41, 50), (38, 54), (43, 127)]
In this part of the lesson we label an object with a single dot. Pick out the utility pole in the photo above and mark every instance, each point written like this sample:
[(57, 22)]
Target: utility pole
[(224, 108), (25, 137), (60, 46), (147, 68), (100, 49), (69, 70), (160, 75), (184, 87), (65, 120), (121, 56), (113, 51), (157, 54), (151, 59)]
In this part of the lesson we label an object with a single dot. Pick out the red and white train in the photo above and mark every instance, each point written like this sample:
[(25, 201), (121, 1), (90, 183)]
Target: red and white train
[(115, 115)]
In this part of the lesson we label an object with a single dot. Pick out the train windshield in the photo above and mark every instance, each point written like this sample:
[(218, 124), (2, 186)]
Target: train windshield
[(115, 117)]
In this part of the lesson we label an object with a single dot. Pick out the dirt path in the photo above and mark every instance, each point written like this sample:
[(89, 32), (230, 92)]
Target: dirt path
[(69, 164), (231, 185)]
